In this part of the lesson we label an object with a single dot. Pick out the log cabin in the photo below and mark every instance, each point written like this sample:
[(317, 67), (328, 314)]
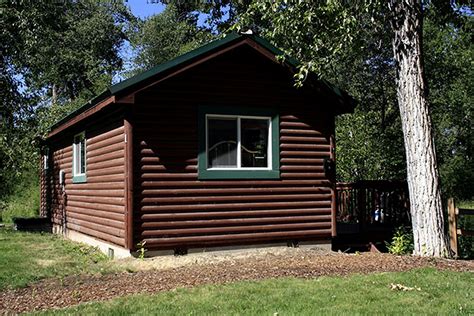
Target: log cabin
[(215, 148)]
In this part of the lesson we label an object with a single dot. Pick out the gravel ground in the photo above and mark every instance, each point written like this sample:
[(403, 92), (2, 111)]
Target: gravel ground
[(213, 257), (161, 275)]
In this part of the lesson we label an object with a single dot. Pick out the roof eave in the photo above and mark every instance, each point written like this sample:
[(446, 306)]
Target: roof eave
[(74, 118), (91, 103), (347, 106)]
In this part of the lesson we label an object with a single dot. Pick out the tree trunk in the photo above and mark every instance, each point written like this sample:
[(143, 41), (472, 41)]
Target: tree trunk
[(422, 170), (54, 94)]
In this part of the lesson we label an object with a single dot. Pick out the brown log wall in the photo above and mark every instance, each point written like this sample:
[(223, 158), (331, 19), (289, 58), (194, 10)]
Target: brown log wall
[(174, 209), (97, 207)]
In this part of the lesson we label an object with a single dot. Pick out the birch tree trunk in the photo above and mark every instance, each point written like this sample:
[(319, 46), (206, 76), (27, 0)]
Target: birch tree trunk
[(423, 179), (54, 94)]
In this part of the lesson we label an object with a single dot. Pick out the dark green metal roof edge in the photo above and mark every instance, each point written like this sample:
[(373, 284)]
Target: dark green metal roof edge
[(295, 63), (275, 50), (128, 83), (90, 104)]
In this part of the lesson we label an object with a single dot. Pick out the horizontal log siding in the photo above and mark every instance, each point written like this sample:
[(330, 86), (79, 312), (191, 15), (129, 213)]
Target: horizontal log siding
[(97, 207), (174, 209)]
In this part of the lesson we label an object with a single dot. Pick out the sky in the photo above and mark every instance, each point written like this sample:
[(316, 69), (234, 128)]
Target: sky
[(144, 8)]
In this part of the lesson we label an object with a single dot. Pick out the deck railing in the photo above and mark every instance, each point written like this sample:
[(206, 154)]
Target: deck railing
[(454, 231), (363, 205)]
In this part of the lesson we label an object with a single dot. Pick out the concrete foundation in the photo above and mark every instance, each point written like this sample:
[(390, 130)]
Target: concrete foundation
[(323, 245), (120, 252), (107, 248)]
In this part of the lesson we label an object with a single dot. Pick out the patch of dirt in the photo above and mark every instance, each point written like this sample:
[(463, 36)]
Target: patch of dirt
[(211, 257), (301, 263), (45, 262)]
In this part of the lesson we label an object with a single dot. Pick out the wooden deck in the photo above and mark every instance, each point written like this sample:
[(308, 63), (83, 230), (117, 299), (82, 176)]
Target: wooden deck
[(369, 212)]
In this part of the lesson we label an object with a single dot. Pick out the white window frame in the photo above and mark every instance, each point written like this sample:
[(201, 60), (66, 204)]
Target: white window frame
[(76, 155), (46, 159), (239, 149)]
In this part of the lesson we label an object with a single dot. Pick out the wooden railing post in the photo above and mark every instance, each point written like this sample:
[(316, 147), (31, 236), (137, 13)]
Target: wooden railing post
[(453, 234), (361, 207)]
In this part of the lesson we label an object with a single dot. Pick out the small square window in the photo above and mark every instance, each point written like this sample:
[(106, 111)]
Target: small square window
[(79, 162)]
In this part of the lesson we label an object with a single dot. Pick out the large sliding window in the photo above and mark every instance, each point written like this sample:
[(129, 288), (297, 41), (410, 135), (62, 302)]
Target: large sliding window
[(238, 143)]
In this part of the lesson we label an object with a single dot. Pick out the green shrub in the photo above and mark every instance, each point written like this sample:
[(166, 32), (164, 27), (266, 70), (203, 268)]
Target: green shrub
[(23, 202), (402, 242)]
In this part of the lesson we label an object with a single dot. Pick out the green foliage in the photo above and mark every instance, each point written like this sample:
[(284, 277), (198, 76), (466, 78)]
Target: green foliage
[(441, 293), (64, 48), (402, 242), (218, 16), (346, 45), (466, 243), (449, 53), (28, 257), (47, 116), (18, 154), (350, 44), (24, 201), (55, 56), (365, 151), (314, 33), (165, 36), (141, 249)]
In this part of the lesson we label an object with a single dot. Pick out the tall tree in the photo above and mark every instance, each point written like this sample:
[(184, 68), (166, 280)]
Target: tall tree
[(64, 48), (51, 53), (218, 15), (319, 32), (422, 168), (166, 35)]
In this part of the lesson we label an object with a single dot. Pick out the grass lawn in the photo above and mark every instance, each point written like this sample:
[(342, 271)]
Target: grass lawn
[(28, 257), (441, 292)]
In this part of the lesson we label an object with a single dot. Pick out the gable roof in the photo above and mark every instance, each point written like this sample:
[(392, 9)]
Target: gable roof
[(134, 82)]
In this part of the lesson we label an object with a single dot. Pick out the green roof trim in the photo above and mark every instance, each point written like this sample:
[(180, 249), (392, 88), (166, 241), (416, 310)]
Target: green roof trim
[(293, 62), (180, 60), (275, 50), (90, 104)]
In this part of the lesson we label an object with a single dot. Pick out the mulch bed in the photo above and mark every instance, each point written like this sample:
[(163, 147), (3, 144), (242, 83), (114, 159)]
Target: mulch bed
[(73, 290)]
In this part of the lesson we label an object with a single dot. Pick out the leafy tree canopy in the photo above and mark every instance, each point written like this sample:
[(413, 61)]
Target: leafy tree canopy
[(52, 53), (164, 36), (350, 45)]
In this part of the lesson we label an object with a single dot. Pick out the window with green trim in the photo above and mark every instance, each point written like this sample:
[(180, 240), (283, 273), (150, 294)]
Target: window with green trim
[(79, 162), (45, 159), (238, 143)]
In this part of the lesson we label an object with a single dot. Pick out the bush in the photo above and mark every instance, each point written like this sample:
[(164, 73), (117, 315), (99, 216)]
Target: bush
[(402, 241), (23, 202)]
